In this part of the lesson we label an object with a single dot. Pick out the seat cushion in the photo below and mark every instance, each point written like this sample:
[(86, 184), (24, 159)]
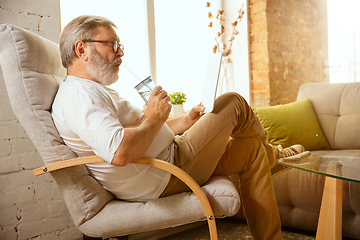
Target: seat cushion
[(164, 212)]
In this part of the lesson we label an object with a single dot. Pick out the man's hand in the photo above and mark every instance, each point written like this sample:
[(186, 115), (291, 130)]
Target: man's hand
[(158, 106), (137, 139), (196, 113), (182, 123)]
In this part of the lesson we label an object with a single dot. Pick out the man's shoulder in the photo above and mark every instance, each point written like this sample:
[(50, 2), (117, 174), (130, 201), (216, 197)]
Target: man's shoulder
[(75, 84), (76, 97), (81, 88)]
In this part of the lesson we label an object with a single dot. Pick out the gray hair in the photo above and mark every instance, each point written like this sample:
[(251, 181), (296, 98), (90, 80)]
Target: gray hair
[(81, 28)]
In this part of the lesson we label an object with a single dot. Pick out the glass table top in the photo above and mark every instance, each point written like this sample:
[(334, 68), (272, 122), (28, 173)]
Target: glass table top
[(345, 168)]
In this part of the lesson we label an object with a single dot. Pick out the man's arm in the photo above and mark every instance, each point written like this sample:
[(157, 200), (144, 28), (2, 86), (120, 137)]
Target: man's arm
[(137, 139), (182, 123)]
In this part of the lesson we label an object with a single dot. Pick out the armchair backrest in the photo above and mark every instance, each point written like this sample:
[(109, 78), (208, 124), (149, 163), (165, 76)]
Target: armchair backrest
[(32, 71)]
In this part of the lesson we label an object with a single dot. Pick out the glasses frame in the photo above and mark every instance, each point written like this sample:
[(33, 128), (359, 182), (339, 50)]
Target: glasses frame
[(118, 46)]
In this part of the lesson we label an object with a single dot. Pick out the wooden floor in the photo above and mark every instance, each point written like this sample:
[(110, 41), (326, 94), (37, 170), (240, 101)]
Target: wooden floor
[(232, 229), (228, 229)]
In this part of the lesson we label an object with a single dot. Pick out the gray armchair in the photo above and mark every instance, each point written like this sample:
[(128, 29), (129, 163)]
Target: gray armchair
[(32, 71)]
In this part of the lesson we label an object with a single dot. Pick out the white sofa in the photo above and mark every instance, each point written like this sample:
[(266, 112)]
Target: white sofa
[(299, 193)]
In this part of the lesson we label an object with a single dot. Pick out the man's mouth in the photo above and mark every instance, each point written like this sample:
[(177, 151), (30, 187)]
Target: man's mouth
[(118, 62)]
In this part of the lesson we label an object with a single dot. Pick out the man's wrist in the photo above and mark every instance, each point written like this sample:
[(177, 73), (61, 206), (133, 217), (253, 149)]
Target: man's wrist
[(153, 121)]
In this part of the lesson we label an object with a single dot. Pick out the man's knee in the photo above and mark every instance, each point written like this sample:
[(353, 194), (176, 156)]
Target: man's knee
[(230, 98)]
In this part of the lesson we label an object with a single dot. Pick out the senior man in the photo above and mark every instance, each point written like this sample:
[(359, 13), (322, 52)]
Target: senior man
[(94, 120)]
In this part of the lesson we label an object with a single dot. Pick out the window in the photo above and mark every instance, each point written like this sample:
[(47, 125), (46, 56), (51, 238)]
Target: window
[(182, 42), (344, 40), (131, 20)]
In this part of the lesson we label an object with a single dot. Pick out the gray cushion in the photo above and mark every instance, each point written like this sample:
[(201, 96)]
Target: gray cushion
[(32, 71), (164, 212), (31, 62)]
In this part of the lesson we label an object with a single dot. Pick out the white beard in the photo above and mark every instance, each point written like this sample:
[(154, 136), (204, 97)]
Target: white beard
[(101, 70)]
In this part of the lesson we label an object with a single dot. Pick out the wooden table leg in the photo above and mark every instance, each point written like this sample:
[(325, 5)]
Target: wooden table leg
[(330, 219)]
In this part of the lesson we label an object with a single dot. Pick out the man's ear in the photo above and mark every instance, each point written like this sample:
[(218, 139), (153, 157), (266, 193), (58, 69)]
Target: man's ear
[(80, 49)]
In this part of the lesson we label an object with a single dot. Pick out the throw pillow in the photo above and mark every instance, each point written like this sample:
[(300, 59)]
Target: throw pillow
[(293, 123)]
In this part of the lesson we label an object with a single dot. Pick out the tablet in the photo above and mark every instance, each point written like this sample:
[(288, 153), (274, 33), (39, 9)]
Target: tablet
[(211, 81)]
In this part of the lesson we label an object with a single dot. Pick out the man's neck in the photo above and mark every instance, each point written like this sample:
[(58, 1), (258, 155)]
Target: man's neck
[(78, 72)]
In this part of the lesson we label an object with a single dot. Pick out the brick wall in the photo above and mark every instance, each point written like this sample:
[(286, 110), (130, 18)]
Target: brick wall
[(30, 207), (285, 49)]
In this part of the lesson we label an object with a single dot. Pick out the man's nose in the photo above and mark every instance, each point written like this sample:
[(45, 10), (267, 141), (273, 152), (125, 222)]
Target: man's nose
[(120, 52)]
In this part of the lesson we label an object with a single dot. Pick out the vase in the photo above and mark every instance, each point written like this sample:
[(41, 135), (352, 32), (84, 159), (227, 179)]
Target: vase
[(227, 77), (177, 110)]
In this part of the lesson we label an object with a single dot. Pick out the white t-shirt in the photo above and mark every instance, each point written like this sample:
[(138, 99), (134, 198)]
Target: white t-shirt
[(91, 118)]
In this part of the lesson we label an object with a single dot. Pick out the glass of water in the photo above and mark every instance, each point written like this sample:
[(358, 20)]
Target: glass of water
[(145, 87)]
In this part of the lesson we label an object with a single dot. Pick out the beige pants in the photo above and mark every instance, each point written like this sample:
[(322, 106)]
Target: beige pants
[(231, 140)]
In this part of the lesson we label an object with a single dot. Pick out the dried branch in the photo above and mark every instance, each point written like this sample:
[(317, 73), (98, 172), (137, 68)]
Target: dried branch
[(219, 35)]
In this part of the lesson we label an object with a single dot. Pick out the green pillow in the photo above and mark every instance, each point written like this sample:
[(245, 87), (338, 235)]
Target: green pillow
[(293, 123)]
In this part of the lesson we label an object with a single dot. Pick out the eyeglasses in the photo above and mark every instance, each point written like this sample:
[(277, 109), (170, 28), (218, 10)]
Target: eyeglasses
[(115, 44)]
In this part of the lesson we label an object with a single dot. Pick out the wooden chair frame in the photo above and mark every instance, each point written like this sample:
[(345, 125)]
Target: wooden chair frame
[(182, 175)]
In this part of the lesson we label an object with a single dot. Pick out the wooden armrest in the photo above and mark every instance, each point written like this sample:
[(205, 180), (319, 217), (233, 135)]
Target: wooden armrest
[(176, 171), (67, 163)]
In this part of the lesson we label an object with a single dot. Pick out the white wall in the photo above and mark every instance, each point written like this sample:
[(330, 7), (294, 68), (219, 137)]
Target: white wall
[(30, 207)]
